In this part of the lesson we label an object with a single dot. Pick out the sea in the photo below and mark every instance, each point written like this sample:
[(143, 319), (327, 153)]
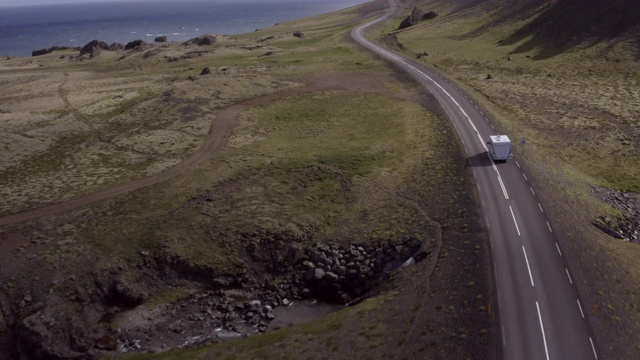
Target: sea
[(31, 27)]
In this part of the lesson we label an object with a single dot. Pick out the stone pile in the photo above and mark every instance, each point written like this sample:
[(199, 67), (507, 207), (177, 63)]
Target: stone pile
[(627, 225), (342, 273)]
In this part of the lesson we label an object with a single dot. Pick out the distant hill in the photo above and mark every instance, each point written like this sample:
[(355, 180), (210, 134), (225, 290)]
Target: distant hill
[(555, 25)]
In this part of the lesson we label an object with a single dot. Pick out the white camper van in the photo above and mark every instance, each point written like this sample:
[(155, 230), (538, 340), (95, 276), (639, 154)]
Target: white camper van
[(499, 147)]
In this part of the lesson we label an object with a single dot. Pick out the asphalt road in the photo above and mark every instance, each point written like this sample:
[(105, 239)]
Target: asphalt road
[(541, 315)]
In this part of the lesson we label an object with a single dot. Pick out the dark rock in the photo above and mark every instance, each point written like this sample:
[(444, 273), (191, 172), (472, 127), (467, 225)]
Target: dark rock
[(429, 15), (298, 34), (121, 293), (204, 40), (331, 277), (228, 335), (81, 340), (253, 305), (136, 45), (161, 39), (205, 71), (268, 53), (107, 343), (420, 256), (93, 48), (489, 77), (116, 46), (50, 50), (314, 274), (414, 18)]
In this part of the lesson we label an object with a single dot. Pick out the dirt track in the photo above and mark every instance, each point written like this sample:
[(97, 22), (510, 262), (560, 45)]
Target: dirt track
[(216, 141)]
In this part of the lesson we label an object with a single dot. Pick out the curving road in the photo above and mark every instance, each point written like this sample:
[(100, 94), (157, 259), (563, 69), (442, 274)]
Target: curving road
[(541, 315)]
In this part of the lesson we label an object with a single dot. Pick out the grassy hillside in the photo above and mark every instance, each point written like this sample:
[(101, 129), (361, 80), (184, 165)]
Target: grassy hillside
[(193, 192), (564, 75)]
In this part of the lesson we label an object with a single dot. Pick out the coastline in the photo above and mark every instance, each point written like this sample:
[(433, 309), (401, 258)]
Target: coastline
[(29, 28)]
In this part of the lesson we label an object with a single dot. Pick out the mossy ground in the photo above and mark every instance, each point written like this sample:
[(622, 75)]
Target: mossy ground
[(327, 144), (577, 107)]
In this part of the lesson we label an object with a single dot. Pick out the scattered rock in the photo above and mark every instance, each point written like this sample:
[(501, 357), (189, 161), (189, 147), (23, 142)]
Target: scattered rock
[(429, 15), (414, 18), (253, 305), (50, 50), (627, 225), (93, 48), (422, 54), (204, 40), (228, 335), (268, 53), (136, 45)]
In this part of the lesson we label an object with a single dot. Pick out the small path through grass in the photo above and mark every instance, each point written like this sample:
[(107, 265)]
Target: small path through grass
[(217, 139)]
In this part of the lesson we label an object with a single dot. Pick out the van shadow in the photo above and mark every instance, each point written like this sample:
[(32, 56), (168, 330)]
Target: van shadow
[(478, 160)]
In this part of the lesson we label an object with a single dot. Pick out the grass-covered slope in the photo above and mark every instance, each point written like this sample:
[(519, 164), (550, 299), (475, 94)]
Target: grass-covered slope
[(210, 182), (564, 75)]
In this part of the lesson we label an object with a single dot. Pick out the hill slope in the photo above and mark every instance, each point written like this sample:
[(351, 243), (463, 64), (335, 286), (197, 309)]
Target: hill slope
[(564, 75)]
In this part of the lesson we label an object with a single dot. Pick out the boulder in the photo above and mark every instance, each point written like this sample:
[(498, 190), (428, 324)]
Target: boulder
[(314, 274), (228, 335), (205, 71), (52, 49), (429, 15), (161, 39), (204, 40), (93, 48), (253, 305), (414, 18), (135, 45), (298, 34)]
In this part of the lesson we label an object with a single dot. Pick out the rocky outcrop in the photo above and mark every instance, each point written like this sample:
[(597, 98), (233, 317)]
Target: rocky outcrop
[(626, 226), (204, 40), (107, 320), (52, 49), (429, 15), (298, 34), (416, 16), (189, 55), (94, 47), (136, 45), (161, 39), (335, 274)]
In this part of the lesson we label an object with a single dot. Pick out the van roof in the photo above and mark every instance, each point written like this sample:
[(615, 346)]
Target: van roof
[(500, 138)]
